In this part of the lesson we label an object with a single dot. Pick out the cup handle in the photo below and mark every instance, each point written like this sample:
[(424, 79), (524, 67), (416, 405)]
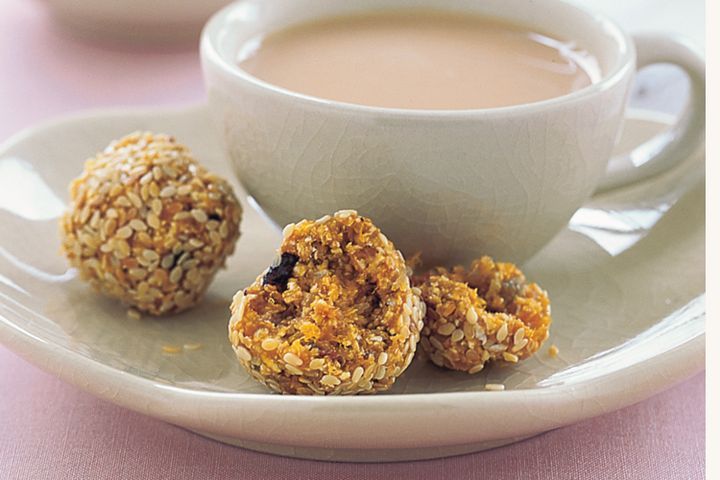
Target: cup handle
[(675, 145)]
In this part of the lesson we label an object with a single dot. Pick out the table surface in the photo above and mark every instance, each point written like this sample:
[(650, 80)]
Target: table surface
[(49, 429)]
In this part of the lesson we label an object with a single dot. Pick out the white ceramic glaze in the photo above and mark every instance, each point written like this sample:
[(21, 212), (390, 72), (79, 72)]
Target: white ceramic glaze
[(626, 279), (446, 183)]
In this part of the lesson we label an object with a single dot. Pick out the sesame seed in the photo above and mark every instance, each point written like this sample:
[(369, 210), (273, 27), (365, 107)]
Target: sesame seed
[(330, 380), (168, 191), (147, 178), (437, 359), (316, 363), (494, 387), (520, 346), (137, 273), (124, 232), (446, 329), (497, 348), (293, 370), (115, 190), (153, 220), (287, 231), (143, 288), (199, 215), (122, 249), (270, 344), (382, 358), (380, 374), (192, 346), (150, 255), (134, 314), (292, 359), (109, 226), (134, 199), (436, 343), (184, 190), (345, 213), (170, 171), (84, 214), (519, 335), (176, 274), (502, 332), (510, 357), (457, 335), (95, 219), (189, 263), (243, 354), (554, 351), (476, 368), (468, 330), (357, 374), (143, 238), (471, 315), (156, 206), (171, 349), (167, 261), (137, 225)]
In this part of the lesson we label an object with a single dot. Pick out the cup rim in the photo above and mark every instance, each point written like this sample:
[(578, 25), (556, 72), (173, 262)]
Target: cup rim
[(211, 56)]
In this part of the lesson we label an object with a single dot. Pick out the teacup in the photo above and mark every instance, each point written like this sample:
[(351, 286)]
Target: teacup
[(451, 184)]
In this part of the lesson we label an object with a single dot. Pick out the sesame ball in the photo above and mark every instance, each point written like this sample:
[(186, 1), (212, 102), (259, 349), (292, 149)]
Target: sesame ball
[(149, 225), (489, 313), (335, 314)]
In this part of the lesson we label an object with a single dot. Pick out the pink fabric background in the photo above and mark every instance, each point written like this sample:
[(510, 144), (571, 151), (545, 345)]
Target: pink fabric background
[(50, 430)]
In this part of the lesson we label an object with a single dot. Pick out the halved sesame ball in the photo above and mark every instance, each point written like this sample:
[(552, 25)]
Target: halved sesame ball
[(489, 313), (336, 314), (148, 224)]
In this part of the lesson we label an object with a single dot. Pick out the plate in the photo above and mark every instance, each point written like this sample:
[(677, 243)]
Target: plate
[(626, 279)]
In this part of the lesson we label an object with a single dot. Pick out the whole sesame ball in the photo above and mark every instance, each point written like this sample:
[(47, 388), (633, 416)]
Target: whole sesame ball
[(336, 313), (148, 224), (489, 313)]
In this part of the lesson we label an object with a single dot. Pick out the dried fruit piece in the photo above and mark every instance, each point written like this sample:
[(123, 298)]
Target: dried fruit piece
[(280, 272)]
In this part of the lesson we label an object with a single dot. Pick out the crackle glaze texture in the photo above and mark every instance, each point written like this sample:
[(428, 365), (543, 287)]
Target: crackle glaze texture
[(447, 183), (624, 327)]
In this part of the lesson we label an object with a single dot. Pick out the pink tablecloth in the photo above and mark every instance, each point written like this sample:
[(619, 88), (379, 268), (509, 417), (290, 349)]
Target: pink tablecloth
[(50, 430)]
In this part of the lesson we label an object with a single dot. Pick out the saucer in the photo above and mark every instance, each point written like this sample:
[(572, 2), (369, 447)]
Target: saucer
[(626, 279)]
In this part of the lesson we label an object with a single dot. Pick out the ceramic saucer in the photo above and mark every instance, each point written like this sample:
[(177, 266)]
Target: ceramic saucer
[(626, 279)]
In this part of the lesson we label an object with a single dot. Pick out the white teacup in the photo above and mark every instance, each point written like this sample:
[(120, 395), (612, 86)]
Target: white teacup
[(453, 184)]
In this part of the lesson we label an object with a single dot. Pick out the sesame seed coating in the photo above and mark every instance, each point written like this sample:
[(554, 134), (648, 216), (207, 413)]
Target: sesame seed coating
[(488, 313), (336, 314), (134, 244)]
